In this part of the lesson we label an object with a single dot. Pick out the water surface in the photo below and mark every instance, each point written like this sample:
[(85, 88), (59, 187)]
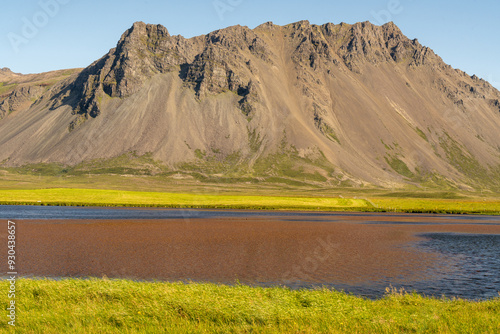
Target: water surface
[(362, 253)]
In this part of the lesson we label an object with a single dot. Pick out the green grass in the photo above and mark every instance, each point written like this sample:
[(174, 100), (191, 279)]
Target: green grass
[(432, 205), (289, 164), (422, 134), (422, 203), (399, 166), (98, 197), (282, 182), (5, 89), (465, 162), (122, 306), (328, 131), (129, 163), (424, 194)]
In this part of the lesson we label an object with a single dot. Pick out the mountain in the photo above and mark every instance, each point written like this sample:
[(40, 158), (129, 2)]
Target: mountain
[(341, 104)]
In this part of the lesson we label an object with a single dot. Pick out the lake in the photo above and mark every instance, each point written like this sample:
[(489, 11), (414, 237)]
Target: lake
[(360, 253)]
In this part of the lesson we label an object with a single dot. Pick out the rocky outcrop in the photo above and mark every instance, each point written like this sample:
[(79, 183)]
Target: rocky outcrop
[(222, 60), (495, 104), (210, 65), (143, 51), (224, 65), (19, 97)]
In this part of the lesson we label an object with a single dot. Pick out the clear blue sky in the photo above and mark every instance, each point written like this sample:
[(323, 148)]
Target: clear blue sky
[(76, 32)]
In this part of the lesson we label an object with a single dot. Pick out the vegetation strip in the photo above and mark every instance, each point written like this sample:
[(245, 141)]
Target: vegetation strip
[(96, 197), (119, 198), (117, 306)]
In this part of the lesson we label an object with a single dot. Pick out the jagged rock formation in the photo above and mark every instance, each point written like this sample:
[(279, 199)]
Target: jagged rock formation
[(18, 97), (210, 65), (21, 92), (378, 107)]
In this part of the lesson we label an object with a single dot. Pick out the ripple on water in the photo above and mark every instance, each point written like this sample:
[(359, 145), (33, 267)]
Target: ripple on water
[(472, 267)]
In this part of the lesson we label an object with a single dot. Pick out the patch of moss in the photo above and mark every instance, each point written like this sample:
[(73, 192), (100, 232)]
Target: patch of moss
[(214, 163), (200, 154), (387, 147), (329, 132), (130, 163), (288, 163), (399, 166), (45, 169), (422, 134), (462, 159), (5, 88), (289, 182), (427, 194), (254, 140)]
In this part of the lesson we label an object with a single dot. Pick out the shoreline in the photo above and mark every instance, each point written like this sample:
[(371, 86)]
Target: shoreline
[(257, 208)]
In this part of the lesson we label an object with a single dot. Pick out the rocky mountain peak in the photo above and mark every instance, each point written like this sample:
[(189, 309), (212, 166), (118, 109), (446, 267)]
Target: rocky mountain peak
[(141, 32), (392, 27), (233, 38), (300, 25), (267, 25), (142, 51), (223, 59)]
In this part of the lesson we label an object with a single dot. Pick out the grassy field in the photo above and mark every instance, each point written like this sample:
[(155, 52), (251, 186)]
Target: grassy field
[(121, 306), (431, 205), (96, 197), (46, 185), (100, 197)]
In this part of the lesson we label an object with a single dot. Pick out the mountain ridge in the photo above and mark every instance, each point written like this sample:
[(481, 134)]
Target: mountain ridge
[(375, 106)]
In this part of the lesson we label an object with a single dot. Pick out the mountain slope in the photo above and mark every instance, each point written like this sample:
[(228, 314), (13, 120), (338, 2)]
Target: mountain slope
[(343, 102)]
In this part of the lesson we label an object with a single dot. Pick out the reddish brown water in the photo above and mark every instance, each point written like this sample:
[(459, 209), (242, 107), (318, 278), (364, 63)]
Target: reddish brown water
[(353, 252)]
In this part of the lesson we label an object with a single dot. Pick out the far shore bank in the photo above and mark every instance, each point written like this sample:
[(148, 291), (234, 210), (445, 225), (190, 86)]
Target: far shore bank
[(121, 198)]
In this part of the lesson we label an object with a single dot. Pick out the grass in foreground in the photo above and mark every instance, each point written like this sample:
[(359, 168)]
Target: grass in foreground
[(121, 306)]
